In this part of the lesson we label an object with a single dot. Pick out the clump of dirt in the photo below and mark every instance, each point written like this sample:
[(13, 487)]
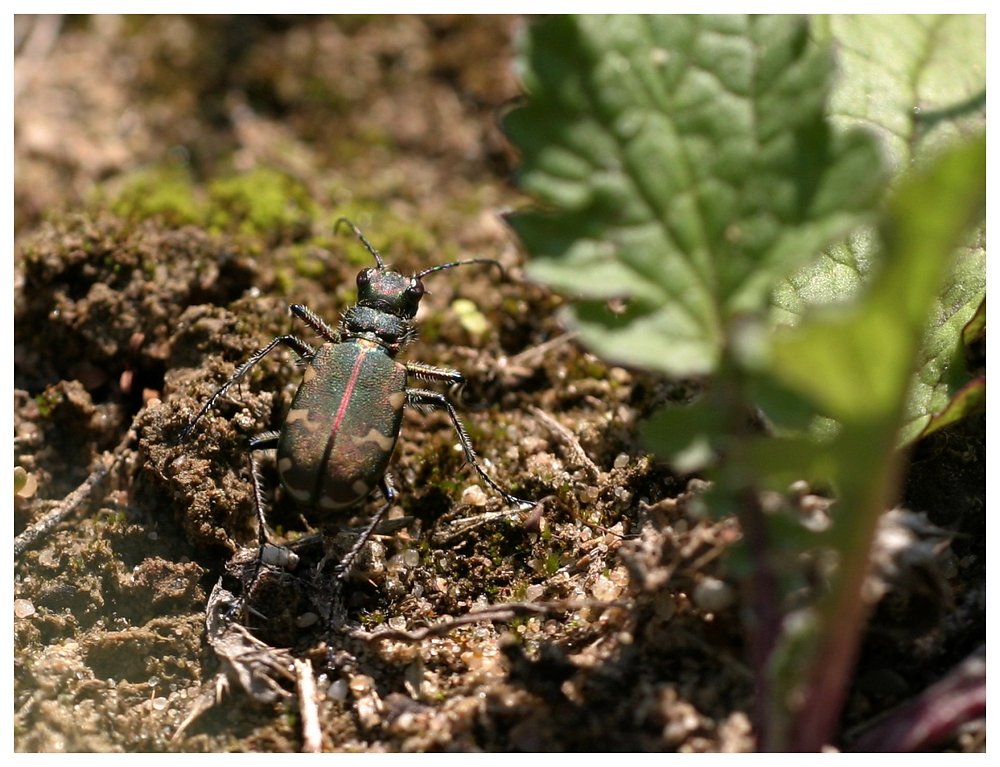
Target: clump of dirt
[(132, 306)]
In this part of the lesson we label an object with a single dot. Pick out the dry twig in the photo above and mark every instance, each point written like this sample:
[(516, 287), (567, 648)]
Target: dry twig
[(68, 506), (305, 685)]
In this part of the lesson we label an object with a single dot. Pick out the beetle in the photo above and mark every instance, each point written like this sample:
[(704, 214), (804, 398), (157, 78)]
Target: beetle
[(334, 447)]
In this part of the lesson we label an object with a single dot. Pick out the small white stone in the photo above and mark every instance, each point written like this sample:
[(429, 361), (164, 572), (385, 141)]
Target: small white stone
[(411, 557), (279, 556), (713, 595), (337, 690), (306, 620), (397, 622), (606, 589), (474, 495), (534, 592)]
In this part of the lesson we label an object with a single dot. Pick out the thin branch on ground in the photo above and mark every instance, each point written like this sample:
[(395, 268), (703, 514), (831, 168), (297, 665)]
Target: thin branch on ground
[(305, 685), (499, 613), (72, 503), (568, 439)]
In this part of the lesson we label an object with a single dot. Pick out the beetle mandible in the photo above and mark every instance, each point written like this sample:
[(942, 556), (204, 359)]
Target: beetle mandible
[(334, 446)]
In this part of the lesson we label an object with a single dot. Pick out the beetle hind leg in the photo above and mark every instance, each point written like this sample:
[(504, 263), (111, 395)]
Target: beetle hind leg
[(265, 441), (269, 553), (343, 569)]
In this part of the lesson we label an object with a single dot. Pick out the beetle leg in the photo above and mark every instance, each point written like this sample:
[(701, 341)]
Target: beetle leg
[(316, 322), (429, 398), (343, 569), (301, 348), (424, 372), (266, 441)]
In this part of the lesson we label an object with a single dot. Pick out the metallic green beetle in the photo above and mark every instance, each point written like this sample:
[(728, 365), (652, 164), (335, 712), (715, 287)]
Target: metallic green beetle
[(338, 436)]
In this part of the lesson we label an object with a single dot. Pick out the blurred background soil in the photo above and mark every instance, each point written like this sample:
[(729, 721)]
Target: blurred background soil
[(176, 184)]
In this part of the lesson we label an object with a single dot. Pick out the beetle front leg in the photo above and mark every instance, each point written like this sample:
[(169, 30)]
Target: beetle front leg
[(429, 398), (304, 350), (316, 322)]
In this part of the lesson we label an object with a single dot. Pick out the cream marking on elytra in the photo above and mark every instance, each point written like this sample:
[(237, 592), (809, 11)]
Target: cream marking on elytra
[(284, 464), (397, 399), (297, 493), (377, 438), (361, 488), (301, 414), (308, 374)]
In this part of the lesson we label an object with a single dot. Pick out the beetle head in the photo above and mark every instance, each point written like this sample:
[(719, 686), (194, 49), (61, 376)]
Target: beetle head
[(379, 287), (389, 291)]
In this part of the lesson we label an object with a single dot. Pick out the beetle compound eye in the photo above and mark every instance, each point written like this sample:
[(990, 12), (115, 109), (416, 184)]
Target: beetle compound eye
[(365, 277), (412, 295), (416, 290)]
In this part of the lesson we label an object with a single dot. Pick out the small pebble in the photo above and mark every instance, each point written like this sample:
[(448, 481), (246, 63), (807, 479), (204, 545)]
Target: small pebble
[(605, 589), (713, 595), (474, 495), (23, 608), (279, 556), (623, 495), (337, 690), (306, 620), (534, 592), (411, 557)]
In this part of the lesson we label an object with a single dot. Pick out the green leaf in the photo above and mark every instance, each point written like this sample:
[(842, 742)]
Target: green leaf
[(967, 401), (854, 361), (941, 375), (918, 83), (975, 328), (965, 397), (683, 435), (683, 165)]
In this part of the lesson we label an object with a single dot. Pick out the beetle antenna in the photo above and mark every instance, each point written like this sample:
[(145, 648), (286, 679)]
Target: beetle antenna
[(451, 264), (371, 249)]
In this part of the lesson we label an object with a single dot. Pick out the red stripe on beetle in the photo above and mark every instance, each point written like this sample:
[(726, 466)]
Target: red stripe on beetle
[(348, 390), (341, 411)]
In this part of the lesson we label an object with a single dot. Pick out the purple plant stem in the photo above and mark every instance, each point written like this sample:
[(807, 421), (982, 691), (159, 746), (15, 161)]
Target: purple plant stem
[(935, 714), (766, 630)]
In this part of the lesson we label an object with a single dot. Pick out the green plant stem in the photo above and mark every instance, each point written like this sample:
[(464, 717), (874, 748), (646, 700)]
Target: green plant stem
[(843, 611)]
